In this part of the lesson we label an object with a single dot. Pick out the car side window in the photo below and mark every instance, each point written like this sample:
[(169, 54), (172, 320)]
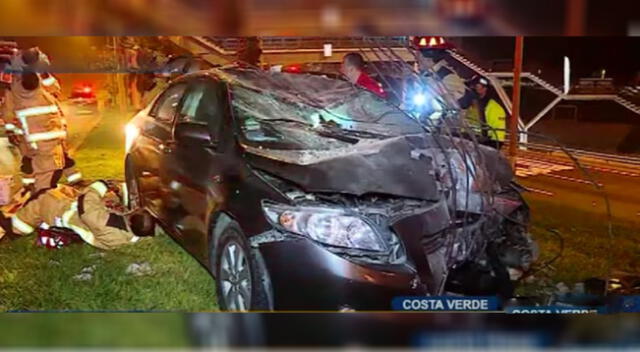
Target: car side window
[(204, 103), (165, 107)]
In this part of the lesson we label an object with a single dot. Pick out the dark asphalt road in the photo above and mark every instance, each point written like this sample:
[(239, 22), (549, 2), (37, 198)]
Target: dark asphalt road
[(573, 188)]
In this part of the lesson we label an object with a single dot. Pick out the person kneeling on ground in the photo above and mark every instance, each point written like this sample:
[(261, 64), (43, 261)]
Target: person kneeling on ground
[(87, 213)]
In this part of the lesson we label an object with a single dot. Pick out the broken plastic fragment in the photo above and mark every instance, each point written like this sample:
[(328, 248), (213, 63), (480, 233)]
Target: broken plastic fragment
[(142, 269)]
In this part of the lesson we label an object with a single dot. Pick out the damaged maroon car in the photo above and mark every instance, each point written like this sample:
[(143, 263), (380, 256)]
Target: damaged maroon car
[(305, 192)]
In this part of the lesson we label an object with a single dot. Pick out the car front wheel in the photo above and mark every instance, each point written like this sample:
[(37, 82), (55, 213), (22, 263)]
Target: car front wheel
[(239, 276)]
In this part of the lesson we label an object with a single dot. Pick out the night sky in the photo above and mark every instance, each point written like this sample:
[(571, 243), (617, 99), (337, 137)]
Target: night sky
[(620, 56)]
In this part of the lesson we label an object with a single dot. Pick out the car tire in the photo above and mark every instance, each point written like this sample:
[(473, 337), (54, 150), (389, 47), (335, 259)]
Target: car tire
[(134, 201), (240, 273), (133, 191)]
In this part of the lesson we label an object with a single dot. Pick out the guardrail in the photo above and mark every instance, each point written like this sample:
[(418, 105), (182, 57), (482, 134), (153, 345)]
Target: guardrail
[(278, 47), (232, 45), (615, 161)]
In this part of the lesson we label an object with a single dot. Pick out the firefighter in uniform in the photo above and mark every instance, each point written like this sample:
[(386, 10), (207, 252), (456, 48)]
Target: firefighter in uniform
[(34, 60), (87, 213), (41, 132)]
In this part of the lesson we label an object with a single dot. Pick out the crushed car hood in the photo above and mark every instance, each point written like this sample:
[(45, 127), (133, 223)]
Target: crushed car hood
[(405, 166), (379, 167)]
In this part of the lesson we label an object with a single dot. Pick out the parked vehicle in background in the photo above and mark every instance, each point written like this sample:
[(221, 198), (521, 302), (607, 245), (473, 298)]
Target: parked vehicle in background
[(83, 94)]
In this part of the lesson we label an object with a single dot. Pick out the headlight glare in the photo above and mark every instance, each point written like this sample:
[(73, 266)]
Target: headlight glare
[(131, 132), (330, 226)]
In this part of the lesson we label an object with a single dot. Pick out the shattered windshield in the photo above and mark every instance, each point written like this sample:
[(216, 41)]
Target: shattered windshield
[(287, 111)]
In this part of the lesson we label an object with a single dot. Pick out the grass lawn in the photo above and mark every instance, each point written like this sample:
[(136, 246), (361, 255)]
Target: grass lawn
[(589, 250), (101, 154), (35, 279)]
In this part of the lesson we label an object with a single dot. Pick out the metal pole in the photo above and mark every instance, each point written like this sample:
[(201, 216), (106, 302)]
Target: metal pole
[(515, 111), (575, 17), (120, 84)]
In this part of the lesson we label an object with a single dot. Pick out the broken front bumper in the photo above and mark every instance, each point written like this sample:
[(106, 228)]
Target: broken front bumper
[(306, 276)]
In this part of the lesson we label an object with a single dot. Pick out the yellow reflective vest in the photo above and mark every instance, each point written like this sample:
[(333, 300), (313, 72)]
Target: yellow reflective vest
[(496, 120)]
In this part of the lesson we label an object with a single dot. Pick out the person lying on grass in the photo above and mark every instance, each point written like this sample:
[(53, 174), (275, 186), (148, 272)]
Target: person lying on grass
[(87, 213)]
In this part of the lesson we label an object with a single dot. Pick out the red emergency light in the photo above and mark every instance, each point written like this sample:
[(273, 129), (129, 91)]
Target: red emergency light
[(296, 68), (431, 42)]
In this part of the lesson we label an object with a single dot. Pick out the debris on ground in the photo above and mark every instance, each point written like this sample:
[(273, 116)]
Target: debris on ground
[(86, 273), (83, 277), (88, 269), (97, 255), (139, 269), (54, 262)]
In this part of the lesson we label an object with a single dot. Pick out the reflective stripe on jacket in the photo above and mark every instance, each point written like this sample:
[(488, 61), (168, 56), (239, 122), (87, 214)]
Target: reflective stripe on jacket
[(40, 117)]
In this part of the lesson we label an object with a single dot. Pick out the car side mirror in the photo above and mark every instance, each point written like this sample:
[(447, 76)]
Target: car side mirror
[(193, 134)]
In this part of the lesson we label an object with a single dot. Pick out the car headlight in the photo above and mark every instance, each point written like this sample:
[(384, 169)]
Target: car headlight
[(326, 225), (131, 132)]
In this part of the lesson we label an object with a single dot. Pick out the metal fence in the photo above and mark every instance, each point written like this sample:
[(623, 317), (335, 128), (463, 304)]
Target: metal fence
[(232, 45)]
